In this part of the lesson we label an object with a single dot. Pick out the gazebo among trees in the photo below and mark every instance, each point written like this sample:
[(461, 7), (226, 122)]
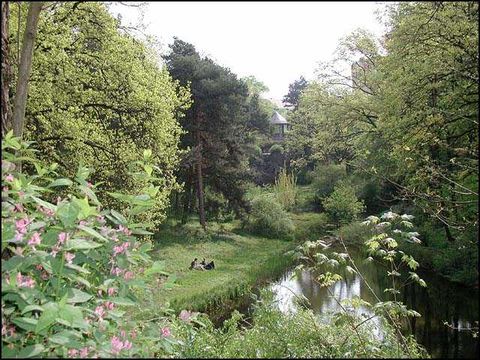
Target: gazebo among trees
[(281, 126)]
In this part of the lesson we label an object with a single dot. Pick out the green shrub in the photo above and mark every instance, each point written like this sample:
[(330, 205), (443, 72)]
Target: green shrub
[(311, 226), (268, 218), (285, 189), (343, 205), (324, 179), (216, 206), (276, 148), (276, 335), (354, 233), (68, 265)]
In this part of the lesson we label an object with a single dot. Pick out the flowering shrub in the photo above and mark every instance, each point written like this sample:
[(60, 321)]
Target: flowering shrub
[(68, 265)]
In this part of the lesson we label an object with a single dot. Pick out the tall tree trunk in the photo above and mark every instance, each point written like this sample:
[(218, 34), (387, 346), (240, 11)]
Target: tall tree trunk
[(198, 165), (21, 92), (187, 199), (6, 71)]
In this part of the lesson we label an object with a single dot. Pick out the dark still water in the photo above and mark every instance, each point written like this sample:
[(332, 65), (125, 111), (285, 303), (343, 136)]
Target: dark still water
[(441, 301)]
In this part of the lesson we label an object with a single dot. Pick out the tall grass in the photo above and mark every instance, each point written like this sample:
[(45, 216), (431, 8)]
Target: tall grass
[(285, 189)]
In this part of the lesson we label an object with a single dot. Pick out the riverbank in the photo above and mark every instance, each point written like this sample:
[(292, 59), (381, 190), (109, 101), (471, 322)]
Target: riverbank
[(242, 261)]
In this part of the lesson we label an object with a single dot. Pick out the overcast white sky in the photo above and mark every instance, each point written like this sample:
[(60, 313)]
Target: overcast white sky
[(274, 41)]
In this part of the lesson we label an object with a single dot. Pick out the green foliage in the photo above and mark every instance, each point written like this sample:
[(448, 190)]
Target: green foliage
[(216, 206), (285, 189), (353, 233), (343, 205), (294, 92), (268, 218), (324, 179), (403, 117), (68, 266), (276, 148), (215, 124), (309, 226), (277, 335), (94, 89)]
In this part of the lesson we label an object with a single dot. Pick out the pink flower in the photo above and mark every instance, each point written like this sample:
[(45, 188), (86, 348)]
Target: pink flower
[(55, 250), (89, 184), (116, 271), (128, 275), (185, 315), (124, 230), (133, 334), (166, 332), (82, 222), (5, 188), (100, 311), (111, 291), (101, 219), (9, 178), (69, 257), (104, 230), (109, 305), (19, 207), (18, 236), (117, 345), (39, 267), (62, 237), (25, 281), (127, 345), (21, 225), (84, 352), (123, 334), (118, 250), (35, 240), (72, 352), (5, 331), (45, 211)]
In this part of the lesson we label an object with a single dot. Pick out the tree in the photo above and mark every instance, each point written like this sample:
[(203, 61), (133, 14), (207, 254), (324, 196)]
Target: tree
[(429, 107), (21, 91), (215, 125), (93, 90), (294, 91), (6, 71)]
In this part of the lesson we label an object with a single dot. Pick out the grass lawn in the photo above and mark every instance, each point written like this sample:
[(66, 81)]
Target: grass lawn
[(241, 261)]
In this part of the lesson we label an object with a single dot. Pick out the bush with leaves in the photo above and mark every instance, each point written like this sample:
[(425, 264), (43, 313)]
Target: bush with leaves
[(343, 205), (324, 178), (68, 265), (286, 189), (268, 218)]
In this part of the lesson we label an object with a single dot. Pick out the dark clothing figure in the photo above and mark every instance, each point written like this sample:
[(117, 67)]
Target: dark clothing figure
[(210, 266), (203, 263), (193, 263)]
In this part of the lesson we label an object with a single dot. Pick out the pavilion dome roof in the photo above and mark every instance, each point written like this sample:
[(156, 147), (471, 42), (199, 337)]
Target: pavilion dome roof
[(278, 119)]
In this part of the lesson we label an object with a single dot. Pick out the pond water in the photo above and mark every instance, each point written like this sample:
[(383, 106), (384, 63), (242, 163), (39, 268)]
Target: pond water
[(440, 301)]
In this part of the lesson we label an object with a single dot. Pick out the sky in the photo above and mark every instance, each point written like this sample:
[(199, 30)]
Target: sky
[(276, 42)]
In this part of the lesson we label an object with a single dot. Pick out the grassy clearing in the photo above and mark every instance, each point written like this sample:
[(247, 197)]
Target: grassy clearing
[(241, 260)]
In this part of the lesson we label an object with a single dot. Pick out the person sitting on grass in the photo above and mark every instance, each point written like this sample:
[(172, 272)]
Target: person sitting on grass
[(193, 263), (203, 263), (210, 266)]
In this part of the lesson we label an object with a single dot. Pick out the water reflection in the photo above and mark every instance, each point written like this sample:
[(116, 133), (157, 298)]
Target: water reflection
[(441, 301)]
